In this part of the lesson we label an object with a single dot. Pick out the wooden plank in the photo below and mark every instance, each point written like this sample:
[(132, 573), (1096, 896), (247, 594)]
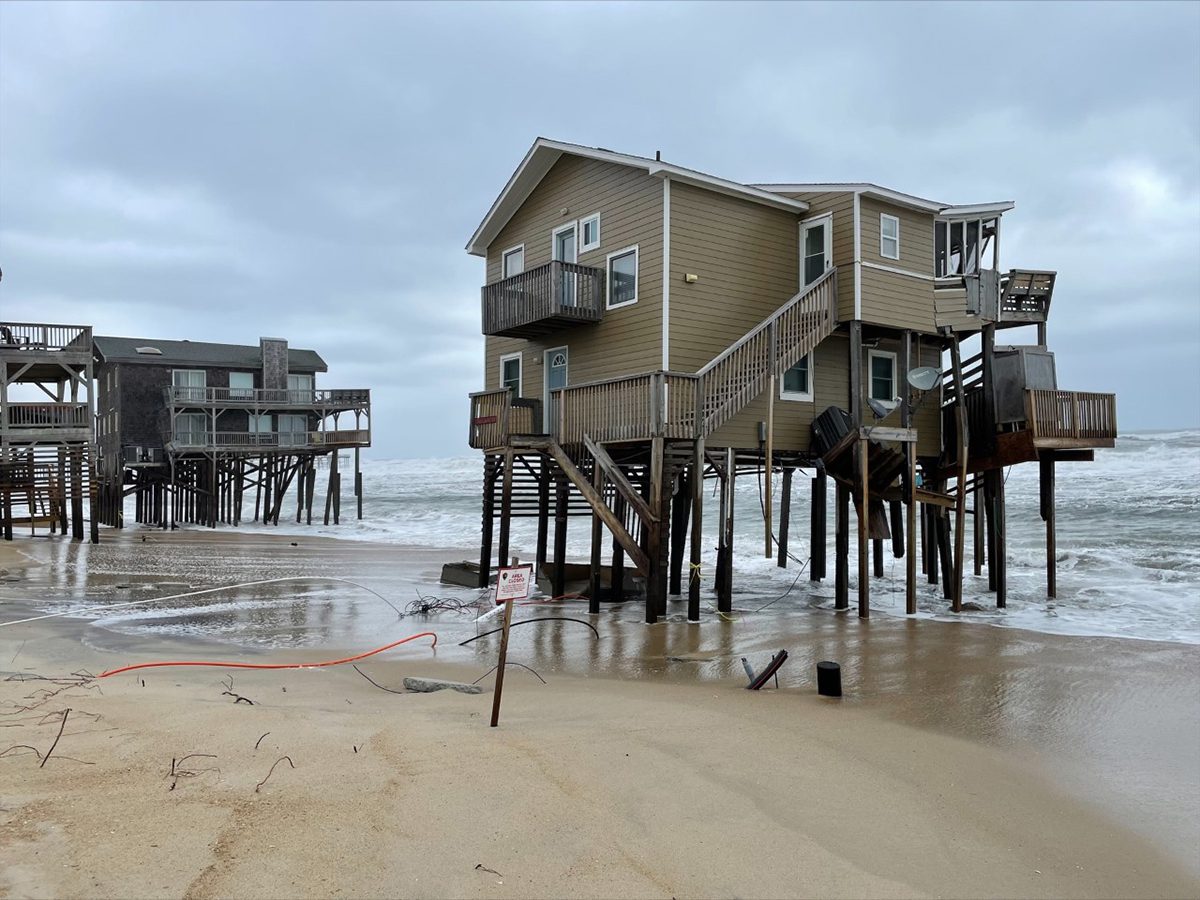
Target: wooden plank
[(864, 507), (697, 536), (883, 433), (617, 479)]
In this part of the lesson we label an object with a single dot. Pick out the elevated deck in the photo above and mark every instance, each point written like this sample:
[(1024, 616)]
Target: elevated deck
[(538, 301)]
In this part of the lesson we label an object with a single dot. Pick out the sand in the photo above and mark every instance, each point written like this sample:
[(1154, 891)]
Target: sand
[(628, 774)]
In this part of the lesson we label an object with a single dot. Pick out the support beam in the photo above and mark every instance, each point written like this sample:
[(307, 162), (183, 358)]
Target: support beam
[(1046, 480), (725, 599), (817, 523), (562, 499), (910, 561), (785, 515), (543, 515), (505, 508), (864, 518), (597, 535), (841, 549), (960, 507), (655, 569), (681, 507), (618, 555), (697, 538), (488, 521)]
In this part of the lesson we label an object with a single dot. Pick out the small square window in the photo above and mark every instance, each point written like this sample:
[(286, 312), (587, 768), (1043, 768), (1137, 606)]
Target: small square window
[(513, 262), (889, 236), (510, 373), (622, 277), (589, 233), (882, 372), (797, 381)]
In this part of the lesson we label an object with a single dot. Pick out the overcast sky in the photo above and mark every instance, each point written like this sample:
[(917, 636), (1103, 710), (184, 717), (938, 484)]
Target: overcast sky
[(225, 171)]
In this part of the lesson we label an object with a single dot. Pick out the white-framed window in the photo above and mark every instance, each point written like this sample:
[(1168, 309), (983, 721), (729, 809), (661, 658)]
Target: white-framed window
[(889, 236), (191, 383), (241, 385), (510, 373), (621, 284), (300, 388), (881, 377), (797, 383), (512, 261), (816, 248), (589, 233)]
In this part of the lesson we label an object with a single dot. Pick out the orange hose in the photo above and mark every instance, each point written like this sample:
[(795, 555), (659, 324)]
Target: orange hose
[(237, 665)]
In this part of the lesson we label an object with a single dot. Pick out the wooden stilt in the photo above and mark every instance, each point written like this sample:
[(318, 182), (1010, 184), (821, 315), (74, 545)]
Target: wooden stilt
[(817, 548), (910, 562), (697, 490), (896, 521), (1046, 480), (864, 516), (841, 549), (785, 515), (487, 521), (989, 504), (597, 536), (543, 515), (681, 507), (562, 497), (942, 523), (977, 535), (877, 557), (725, 598), (618, 553), (960, 505), (722, 515), (1001, 544), (656, 578), (358, 482), (505, 507)]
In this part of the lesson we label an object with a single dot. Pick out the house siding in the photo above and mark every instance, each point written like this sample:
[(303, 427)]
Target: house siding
[(840, 205), (630, 204), (889, 298)]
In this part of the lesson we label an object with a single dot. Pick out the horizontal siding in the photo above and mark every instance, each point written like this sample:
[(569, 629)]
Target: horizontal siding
[(841, 205), (950, 310), (897, 301), (629, 202), (916, 236), (746, 257)]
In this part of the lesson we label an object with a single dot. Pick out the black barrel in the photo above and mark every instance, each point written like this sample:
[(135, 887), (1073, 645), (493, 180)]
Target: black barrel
[(829, 679)]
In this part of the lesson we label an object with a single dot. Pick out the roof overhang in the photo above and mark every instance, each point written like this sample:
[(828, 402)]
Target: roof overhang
[(943, 210), (545, 153), (977, 210)]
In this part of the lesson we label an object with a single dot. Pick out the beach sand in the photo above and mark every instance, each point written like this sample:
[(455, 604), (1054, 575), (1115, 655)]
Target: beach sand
[(964, 761)]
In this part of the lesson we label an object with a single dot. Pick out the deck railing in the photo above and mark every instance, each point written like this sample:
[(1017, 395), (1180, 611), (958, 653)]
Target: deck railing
[(497, 414), (555, 291), (265, 398), (38, 336), (1071, 415), (48, 415), (250, 441)]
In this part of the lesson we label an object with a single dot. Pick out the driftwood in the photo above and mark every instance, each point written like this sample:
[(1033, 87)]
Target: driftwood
[(272, 772)]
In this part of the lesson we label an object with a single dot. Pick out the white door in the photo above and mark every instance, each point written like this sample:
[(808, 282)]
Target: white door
[(566, 249), (816, 248), (555, 377)]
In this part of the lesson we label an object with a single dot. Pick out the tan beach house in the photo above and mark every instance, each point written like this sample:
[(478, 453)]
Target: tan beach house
[(649, 326)]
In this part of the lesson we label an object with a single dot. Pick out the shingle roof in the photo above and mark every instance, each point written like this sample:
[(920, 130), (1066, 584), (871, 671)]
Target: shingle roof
[(200, 353)]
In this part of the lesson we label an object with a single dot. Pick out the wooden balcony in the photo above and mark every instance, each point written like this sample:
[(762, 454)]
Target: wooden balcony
[(30, 337), (32, 422), (257, 398), (542, 300), (1065, 420), (258, 442), (497, 414)]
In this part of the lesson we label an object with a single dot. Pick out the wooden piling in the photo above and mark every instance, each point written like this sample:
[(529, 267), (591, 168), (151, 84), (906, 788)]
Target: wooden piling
[(864, 518), (656, 577), (841, 547), (543, 516), (725, 597), (817, 522), (618, 553), (505, 507), (785, 515), (597, 536), (1046, 485), (697, 537), (681, 507), (562, 497)]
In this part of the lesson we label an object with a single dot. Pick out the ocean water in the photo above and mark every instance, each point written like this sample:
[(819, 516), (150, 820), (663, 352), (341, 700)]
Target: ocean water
[(1128, 540)]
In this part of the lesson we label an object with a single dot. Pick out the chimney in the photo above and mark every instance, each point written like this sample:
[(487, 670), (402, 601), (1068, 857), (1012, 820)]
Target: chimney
[(274, 363)]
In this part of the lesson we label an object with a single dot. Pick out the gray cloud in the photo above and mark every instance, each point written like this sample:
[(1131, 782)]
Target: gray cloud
[(224, 171)]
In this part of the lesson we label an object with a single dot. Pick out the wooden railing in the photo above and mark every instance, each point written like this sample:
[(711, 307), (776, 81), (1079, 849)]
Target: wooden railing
[(48, 415), (497, 414), (36, 336), (265, 398), (252, 440), (1071, 415), (557, 290), (1025, 295)]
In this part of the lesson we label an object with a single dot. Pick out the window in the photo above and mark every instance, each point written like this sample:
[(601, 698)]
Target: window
[(816, 248), (293, 430), (797, 381), (622, 277), (882, 374), (589, 233), (190, 383), (510, 373), (959, 246), (889, 236), (262, 426), (300, 388), (241, 385), (190, 429), (512, 262)]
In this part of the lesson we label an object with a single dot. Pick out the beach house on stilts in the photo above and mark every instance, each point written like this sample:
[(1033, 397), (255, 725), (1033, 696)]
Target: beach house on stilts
[(650, 327)]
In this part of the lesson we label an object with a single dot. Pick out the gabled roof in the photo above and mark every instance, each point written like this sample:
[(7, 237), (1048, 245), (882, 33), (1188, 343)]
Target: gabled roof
[(887, 194), (199, 353), (545, 153)]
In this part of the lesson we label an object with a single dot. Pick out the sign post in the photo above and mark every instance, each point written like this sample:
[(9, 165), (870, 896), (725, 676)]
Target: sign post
[(512, 583)]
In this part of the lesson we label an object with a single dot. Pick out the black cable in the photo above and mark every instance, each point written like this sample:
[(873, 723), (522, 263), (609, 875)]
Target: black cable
[(526, 622)]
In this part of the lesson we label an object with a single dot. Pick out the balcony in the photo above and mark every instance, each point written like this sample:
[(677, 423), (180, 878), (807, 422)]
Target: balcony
[(257, 398), (257, 442), (542, 300), (31, 336), (1071, 419), (47, 421)]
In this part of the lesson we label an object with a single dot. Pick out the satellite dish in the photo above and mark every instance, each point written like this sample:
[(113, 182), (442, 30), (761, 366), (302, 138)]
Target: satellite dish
[(924, 378)]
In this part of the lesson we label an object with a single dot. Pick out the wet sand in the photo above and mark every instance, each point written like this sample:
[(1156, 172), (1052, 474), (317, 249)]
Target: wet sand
[(965, 760)]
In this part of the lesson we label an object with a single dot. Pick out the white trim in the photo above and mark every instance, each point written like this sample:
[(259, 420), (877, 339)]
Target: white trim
[(546, 423), (581, 247), (544, 153), (857, 256), (608, 304), (890, 403), (800, 396), (977, 210), (897, 271), (518, 356), (554, 233), (871, 190), (504, 274), (883, 237), (666, 276), (825, 219)]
